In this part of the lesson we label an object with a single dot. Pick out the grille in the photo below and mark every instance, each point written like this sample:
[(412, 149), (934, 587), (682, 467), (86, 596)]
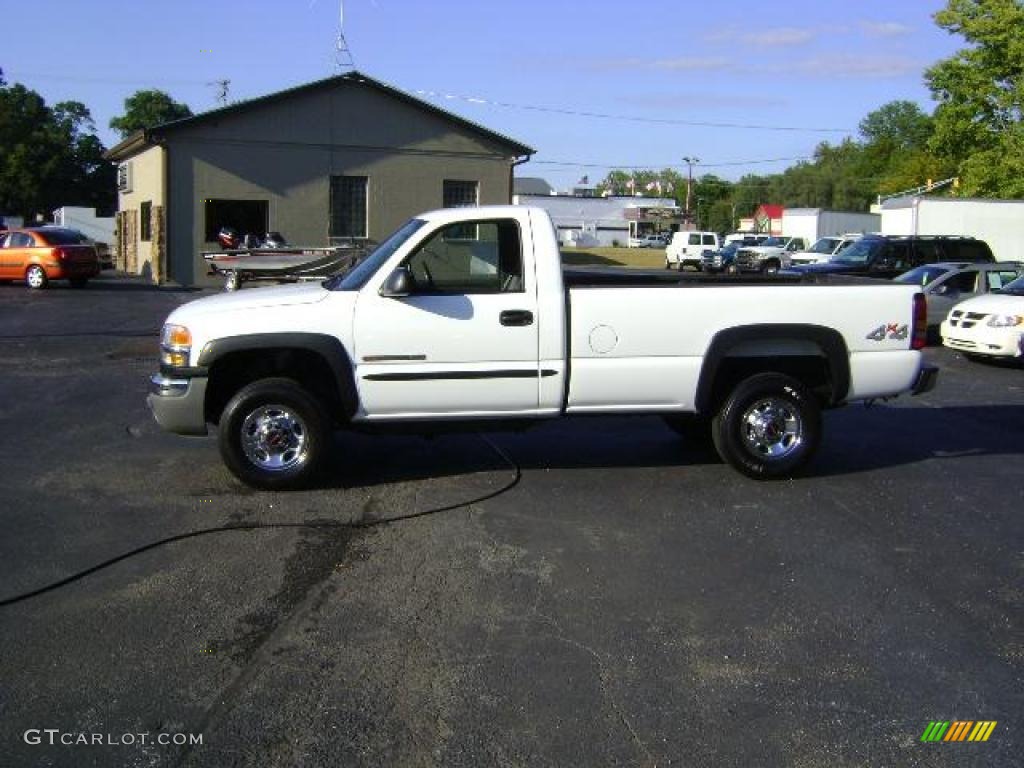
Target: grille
[(960, 319)]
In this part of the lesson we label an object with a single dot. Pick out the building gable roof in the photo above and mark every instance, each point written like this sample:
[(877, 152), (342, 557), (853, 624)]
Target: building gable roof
[(769, 211), (140, 139)]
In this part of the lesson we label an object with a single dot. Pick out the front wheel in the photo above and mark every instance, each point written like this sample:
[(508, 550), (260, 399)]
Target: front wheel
[(274, 435), (769, 427), (36, 277), (771, 268)]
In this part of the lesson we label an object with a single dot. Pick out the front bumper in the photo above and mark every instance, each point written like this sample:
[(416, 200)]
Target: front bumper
[(926, 379), (178, 405), (982, 340)]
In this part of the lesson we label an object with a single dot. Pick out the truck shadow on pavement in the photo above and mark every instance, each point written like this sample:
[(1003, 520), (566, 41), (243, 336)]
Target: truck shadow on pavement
[(856, 440)]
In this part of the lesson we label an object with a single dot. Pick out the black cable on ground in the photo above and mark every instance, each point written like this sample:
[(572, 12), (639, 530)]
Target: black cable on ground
[(355, 525)]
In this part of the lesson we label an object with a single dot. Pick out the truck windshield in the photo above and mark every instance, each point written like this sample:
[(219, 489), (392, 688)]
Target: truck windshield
[(774, 242), (859, 253), (356, 277), (825, 245)]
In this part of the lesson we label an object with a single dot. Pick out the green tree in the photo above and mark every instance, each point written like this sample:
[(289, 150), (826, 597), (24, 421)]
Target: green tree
[(49, 156), (980, 90), (898, 125), (144, 109)]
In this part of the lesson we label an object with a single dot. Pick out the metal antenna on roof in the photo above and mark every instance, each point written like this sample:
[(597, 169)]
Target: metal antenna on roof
[(343, 58), (222, 90)]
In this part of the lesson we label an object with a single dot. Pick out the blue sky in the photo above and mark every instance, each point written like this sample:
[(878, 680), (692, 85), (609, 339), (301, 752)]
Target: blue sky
[(800, 64)]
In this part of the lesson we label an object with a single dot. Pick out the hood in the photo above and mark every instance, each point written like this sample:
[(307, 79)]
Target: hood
[(252, 298), (994, 304)]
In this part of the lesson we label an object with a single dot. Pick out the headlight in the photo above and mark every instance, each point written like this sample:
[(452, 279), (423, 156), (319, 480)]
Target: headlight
[(175, 345), (1004, 321)]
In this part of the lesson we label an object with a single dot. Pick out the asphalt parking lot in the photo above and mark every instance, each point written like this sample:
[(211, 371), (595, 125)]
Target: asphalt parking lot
[(596, 593)]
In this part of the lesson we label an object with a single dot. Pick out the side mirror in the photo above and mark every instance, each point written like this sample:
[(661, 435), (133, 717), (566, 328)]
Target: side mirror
[(399, 284), (941, 290)]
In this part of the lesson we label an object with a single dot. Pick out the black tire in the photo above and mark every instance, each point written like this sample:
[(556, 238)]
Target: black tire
[(290, 419), (732, 269), (786, 436), (35, 277), (771, 267), (79, 282)]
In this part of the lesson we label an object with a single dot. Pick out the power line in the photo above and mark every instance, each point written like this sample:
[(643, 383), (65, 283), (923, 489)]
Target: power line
[(629, 118)]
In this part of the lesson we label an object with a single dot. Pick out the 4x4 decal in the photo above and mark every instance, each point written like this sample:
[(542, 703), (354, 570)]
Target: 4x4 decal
[(893, 331)]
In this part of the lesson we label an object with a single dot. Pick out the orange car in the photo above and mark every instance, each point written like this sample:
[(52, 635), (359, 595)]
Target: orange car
[(40, 254)]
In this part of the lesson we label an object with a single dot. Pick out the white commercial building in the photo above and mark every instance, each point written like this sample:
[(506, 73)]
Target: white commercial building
[(1000, 223), (605, 221), (814, 223), (85, 220)]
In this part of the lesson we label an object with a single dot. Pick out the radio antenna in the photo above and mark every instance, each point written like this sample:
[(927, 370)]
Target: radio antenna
[(222, 90), (343, 58)]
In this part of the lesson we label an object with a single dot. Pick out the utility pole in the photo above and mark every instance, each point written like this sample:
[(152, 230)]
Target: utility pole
[(690, 162)]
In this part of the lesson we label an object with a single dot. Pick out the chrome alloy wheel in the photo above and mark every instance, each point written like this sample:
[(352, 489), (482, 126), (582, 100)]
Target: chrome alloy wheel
[(772, 428), (35, 277), (274, 438)]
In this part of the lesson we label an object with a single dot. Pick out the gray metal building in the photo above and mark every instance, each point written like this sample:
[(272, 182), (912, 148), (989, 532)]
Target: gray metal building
[(346, 158)]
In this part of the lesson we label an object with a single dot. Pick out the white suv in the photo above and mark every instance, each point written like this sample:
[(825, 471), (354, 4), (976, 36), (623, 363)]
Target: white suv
[(688, 248), (823, 249)]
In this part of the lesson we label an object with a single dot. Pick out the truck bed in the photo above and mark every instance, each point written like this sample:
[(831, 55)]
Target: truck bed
[(630, 277)]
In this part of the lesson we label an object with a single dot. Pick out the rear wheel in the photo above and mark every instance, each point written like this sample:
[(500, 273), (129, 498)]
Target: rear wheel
[(274, 435), (231, 281), (769, 427), (35, 277)]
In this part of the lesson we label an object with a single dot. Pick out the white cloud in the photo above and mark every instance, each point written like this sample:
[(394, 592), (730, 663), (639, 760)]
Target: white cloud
[(691, 63), (769, 37), (741, 100), (885, 28), (779, 36), (847, 65)]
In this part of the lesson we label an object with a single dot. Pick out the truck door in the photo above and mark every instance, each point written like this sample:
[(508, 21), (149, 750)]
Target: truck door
[(465, 339)]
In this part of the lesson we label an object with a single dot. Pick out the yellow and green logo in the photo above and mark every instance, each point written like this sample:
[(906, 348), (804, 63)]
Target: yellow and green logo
[(958, 730)]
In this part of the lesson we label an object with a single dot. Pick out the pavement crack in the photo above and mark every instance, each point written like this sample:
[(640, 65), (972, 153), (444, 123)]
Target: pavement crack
[(603, 676)]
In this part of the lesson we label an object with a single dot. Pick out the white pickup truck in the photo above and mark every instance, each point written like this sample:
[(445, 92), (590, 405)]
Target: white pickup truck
[(466, 314)]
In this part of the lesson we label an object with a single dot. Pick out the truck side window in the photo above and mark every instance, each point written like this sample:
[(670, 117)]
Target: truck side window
[(488, 260), (963, 283)]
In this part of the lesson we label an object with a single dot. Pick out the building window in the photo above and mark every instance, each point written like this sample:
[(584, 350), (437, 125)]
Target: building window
[(461, 194), (246, 217), (146, 221), (348, 206)]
